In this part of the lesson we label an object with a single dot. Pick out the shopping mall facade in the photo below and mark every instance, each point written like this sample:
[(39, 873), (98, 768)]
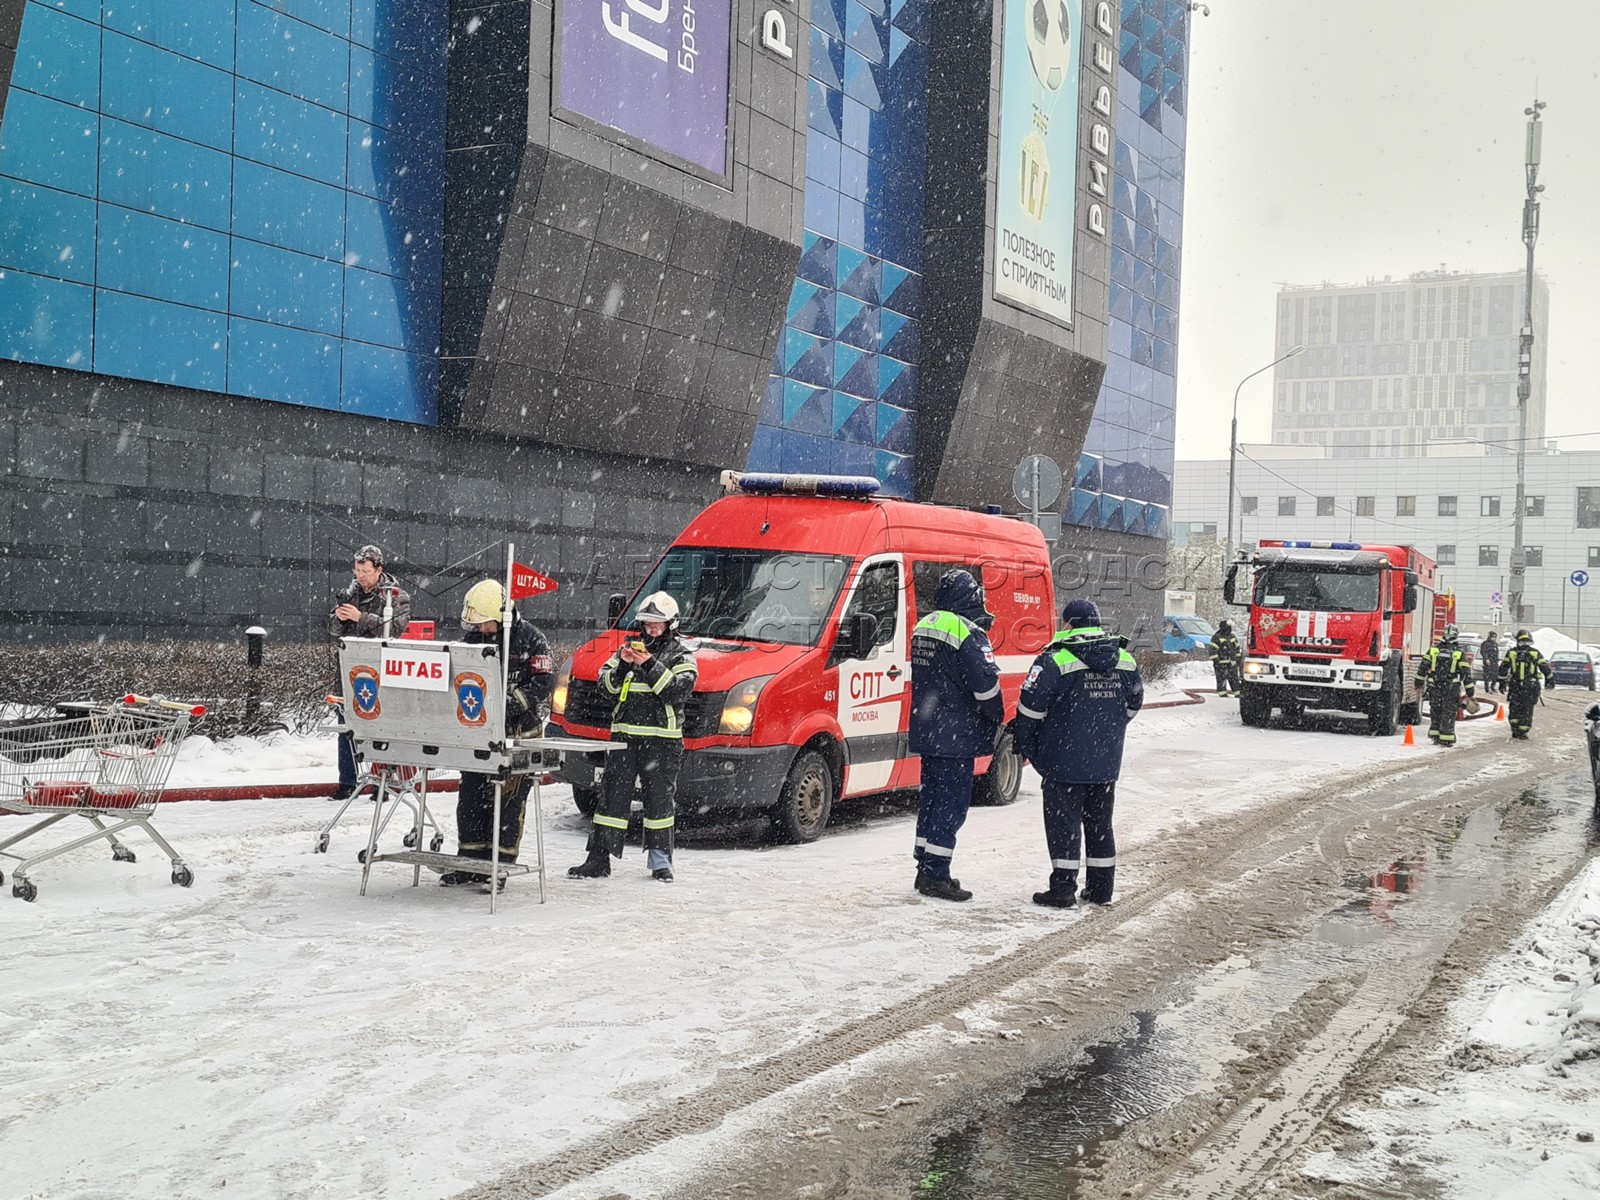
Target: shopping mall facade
[(438, 274)]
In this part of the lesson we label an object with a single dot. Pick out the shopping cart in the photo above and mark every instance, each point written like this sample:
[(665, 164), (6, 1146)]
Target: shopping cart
[(100, 762)]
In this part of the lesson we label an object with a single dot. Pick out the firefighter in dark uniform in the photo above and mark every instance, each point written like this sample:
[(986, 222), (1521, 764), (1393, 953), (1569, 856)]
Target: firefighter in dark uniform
[(651, 678), (1225, 659), (956, 714), (528, 683), (1072, 719), (1519, 679), (1489, 656), (1446, 674)]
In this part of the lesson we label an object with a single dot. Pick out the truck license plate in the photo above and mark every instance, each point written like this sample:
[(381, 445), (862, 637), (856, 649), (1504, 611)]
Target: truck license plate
[(1310, 672)]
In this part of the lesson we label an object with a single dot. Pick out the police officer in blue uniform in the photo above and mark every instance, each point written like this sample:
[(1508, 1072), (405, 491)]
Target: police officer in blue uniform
[(956, 714), (1072, 718)]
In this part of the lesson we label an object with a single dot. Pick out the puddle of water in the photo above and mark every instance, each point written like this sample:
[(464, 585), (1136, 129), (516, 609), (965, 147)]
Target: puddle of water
[(1046, 1145)]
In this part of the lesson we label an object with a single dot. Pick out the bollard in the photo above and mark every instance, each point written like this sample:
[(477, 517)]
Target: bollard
[(255, 640)]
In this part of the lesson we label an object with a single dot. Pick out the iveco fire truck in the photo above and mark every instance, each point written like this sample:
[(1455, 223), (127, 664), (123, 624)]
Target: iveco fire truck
[(1334, 625)]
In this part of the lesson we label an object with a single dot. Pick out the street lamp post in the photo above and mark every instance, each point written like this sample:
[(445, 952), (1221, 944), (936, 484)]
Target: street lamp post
[(1233, 455), (1530, 235)]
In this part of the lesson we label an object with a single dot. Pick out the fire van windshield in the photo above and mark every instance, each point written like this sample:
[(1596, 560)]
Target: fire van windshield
[(746, 595), (1308, 590)]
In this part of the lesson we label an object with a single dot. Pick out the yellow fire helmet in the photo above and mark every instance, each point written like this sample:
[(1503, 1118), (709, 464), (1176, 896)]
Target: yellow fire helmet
[(482, 602)]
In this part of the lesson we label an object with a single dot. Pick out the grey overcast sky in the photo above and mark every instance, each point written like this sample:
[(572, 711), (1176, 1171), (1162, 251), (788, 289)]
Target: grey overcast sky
[(1343, 140)]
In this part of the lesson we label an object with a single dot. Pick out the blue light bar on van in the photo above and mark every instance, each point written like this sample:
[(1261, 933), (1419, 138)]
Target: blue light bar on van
[(759, 483), (1322, 545)]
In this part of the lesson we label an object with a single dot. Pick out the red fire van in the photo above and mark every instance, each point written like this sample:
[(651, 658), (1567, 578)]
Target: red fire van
[(800, 593)]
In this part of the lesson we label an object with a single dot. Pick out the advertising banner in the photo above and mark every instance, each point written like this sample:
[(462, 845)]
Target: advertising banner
[(656, 70), (1036, 188)]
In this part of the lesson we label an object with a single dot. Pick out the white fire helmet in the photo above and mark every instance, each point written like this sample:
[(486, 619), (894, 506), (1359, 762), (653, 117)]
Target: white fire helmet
[(482, 603), (658, 606)]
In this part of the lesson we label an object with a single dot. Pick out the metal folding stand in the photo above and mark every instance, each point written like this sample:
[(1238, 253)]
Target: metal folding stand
[(526, 758)]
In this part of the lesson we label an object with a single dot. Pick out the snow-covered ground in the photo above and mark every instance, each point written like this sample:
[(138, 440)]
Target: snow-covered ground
[(272, 1032)]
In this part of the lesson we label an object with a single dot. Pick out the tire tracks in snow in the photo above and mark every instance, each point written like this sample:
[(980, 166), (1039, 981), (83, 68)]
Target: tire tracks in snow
[(1310, 821)]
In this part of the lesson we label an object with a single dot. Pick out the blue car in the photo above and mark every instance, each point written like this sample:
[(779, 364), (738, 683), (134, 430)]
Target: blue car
[(1187, 635)]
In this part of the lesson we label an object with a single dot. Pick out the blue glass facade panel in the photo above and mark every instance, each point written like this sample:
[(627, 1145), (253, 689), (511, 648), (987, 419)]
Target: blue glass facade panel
[(294, 57), (142, 338), (285, 288), (46, 141), (46, 321), (157, 173), (173, 175), (146, 85), (165, 260), (62, 59), (46, 232), (288, 133), (198, 29)]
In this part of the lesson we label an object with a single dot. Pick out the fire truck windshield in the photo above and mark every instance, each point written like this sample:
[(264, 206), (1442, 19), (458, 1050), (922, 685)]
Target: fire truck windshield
[(746, 595), (1307, 589)]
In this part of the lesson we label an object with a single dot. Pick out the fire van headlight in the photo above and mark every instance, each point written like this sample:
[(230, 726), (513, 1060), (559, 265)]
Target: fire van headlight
[(1360, 675), (558, 694), (1257, 668), (739, 709)]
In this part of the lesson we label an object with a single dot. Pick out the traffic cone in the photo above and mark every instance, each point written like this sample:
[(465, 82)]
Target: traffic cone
[(1411, 737), (1499, 712)]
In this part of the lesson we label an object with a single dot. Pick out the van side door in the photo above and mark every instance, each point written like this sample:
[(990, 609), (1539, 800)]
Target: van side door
[(873, 656)]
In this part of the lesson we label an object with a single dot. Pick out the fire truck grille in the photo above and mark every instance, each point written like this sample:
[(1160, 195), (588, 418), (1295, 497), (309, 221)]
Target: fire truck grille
[(1320, 650), (588, 704)]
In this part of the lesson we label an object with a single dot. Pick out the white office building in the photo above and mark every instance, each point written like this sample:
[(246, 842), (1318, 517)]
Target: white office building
[(1457, 509), (1393, 366)]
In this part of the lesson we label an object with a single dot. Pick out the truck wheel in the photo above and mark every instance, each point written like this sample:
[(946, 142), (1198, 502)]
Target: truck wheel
[(1003, 780), (587, 799), (803, 805), (1384, 713), (1255, 707)]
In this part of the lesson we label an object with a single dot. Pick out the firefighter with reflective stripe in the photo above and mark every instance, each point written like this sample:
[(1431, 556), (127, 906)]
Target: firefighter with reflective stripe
[(529, 676), (1446, 674), (956, 714), (1519, 679), (1225, 659), (1072, 719), (651, 678)]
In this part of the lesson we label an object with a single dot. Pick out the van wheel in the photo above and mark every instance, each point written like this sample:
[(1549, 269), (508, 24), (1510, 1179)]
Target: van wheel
[(806, 799), (1384, 713), (1003, 780), (1255, 706), (586, 798)]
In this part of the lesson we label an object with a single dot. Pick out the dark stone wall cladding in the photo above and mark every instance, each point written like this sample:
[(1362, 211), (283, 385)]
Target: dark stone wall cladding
[(136, 510)]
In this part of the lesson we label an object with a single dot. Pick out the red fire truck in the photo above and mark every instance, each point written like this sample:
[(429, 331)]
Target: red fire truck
[(1336, 625)]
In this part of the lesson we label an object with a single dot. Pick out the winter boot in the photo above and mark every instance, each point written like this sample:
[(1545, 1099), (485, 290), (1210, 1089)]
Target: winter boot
[(596, 866), (664, 874), (1052, 898), (461, 878), (941, 889)]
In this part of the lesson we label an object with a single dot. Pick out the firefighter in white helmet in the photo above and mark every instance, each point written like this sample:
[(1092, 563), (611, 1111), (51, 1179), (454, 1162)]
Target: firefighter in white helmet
[(650, 676), (529, 678)]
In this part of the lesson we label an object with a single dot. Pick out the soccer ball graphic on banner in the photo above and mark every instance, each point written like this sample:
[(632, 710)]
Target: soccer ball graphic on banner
[(1049, 42)]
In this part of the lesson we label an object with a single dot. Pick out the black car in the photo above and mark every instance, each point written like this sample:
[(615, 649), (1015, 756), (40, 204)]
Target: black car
[(1572, 667)]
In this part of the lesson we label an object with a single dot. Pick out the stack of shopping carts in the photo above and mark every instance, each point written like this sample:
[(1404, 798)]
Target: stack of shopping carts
[(105, 763)]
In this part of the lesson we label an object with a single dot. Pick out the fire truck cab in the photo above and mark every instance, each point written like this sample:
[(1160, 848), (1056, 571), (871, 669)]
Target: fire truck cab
[(799, 594), (1333, 625)]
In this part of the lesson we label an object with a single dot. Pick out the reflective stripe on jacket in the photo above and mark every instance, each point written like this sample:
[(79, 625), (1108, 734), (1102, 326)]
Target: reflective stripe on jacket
[(1522, 666), (956, 709), (650, 695), (1080, 694), (1441, 669), (1224, 648)]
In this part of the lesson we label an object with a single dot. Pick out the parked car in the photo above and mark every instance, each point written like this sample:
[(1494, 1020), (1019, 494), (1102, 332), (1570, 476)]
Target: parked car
[(1572, 667), (1470, 644), (1186, 635)]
